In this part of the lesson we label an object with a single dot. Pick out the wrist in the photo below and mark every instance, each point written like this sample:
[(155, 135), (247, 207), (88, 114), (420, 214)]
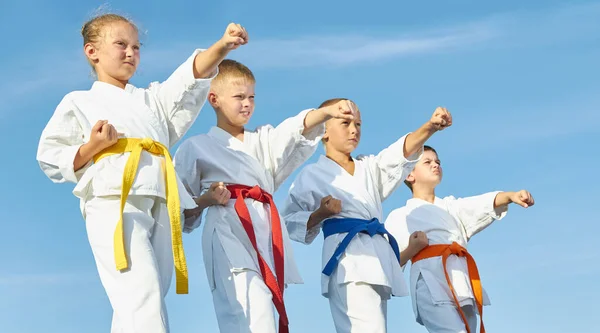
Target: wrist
[(430, 127), (509, 197), (320, 214), (90, 149), (221, 47), (203, 201)]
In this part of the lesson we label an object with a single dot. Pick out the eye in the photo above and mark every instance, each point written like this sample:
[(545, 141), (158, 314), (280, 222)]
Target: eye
[(358, 124), (251, 97), (136, 47), (345, 123)]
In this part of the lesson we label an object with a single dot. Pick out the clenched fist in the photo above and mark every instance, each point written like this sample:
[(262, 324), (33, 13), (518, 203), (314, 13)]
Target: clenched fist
[(235, 35), (522, 198), (217, 194), (440, 119), (344, 109), (103, 135), (329, 207), (418, 241)]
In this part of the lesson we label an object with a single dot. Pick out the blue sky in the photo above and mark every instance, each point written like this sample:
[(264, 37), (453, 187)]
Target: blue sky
[(520, 78)]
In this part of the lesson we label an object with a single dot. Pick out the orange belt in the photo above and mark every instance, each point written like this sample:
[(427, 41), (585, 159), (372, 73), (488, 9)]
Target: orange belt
[(445, 250)]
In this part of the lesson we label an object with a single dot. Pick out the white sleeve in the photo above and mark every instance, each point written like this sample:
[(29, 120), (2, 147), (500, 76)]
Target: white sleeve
[(59, 144), (391, 168), (298, 207), (188, 170), (397, 225), (288, 148), (181, 97), (475, 213)]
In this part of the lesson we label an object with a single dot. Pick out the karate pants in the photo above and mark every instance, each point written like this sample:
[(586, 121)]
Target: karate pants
[(137, 293), (243, 302), (442, 317), (357, 307)]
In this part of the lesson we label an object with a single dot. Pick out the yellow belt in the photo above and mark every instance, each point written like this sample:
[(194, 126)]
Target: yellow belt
[(135, 147)]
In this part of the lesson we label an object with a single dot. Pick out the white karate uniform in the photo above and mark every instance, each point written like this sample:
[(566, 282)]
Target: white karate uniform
[(163, 112), (368, 272), (445, 221), (266, 157)]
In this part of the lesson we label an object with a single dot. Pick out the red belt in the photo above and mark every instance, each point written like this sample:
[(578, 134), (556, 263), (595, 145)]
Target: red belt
[(275, 284)]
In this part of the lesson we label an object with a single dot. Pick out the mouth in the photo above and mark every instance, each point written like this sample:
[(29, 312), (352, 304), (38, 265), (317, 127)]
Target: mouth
[(436, 172), (245, 114), (353, 140), (129, 63)]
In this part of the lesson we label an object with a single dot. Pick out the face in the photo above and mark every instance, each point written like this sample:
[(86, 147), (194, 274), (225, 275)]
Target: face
[(234, 102), (428, 171), (117, 54), (343, 135)]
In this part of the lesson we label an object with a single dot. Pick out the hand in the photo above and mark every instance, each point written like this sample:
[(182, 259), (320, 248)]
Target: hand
[(103, 135), (235, 35), (440, 119), (522, 198), (418, 241), (217, 194), (344, 109), (329, 207)]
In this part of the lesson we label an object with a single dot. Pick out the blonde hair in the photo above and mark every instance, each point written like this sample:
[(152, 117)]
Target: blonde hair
[(92, 30), (231, 70)]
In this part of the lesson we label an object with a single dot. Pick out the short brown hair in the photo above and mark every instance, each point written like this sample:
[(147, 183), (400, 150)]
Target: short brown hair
[(425, 148), (231, 69)]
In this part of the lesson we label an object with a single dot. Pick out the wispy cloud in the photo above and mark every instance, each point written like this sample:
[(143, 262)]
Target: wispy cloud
[(339, 51), (64, 68)]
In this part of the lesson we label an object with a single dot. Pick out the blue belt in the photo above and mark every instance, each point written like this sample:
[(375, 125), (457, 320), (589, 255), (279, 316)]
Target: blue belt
[(353, 227)]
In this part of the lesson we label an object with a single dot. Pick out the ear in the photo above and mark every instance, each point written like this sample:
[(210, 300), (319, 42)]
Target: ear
[(213, 99), (410, 178), (91, 52), (325, 135)]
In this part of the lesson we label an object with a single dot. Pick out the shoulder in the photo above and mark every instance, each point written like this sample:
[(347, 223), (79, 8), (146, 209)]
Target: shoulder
[(192, 143), (398, 213)]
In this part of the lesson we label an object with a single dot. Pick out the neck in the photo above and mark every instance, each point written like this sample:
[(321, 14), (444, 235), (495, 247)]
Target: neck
[(343, 159), (112, 80), (427, 194), (235, 131)]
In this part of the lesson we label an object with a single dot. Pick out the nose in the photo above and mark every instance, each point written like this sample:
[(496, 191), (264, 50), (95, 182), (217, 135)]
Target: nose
[(129, 52)]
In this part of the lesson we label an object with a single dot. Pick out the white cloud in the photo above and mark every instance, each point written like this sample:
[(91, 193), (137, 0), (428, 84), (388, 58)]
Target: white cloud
[(68, 68)]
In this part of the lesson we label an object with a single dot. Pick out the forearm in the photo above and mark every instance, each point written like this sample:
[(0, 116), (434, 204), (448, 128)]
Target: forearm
[(406, 255), (315, 218), (314, 118), (203, 202), (415, 140), (85, 153), (206, 63), (502, 199)]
